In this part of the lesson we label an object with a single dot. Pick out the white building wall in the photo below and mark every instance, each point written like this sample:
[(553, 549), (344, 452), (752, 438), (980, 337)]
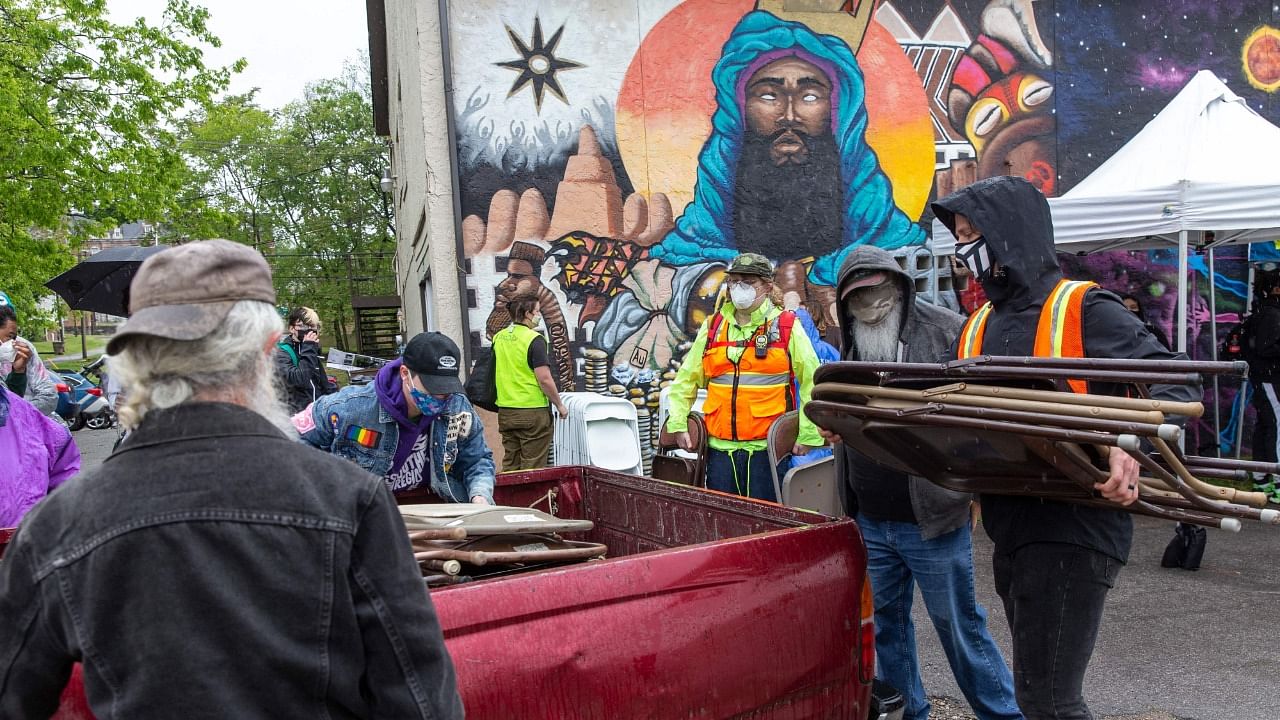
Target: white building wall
[(426, 249)]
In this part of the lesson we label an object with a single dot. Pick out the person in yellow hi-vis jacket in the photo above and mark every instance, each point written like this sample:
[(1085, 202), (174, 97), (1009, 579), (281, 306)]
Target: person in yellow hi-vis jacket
[(750, 356)]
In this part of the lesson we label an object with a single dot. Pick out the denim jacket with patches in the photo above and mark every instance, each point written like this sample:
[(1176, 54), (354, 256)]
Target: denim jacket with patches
[(461, 462)]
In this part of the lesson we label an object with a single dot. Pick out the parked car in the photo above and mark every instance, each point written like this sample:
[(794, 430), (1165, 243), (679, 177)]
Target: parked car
[(67, 406), (92, 409)]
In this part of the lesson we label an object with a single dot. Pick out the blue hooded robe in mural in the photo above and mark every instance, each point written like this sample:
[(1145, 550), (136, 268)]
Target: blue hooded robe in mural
[(705, 231)]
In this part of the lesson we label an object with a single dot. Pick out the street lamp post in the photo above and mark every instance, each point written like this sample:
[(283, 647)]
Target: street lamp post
[(84, 351)]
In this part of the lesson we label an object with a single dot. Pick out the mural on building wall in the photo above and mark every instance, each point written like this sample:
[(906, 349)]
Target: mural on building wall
[(613, 156)]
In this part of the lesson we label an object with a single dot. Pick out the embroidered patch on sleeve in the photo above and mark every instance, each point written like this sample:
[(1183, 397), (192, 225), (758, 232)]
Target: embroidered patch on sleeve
[(334, 420), (363, 437), (303, 422)]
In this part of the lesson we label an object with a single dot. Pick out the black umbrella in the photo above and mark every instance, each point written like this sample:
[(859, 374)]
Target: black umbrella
[(100, 283)]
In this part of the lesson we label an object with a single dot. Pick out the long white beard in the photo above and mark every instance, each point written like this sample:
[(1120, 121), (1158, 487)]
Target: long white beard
[(879, 342), (266, 400)]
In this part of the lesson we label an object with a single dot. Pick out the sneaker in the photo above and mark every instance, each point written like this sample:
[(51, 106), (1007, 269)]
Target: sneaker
[(1268, 488)]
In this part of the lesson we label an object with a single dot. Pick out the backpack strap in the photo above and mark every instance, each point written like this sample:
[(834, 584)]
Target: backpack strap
[(785, 323), (288, 350), (713, 333)]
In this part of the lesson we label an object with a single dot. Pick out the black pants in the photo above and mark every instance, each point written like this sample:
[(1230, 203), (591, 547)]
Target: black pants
[(1053, 595), (1267, 403)]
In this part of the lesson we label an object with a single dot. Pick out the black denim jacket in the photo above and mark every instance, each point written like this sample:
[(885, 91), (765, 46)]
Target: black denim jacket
[(214, 568)]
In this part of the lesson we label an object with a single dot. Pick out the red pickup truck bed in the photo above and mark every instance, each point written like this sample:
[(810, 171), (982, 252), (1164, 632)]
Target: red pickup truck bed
[(709, 606)]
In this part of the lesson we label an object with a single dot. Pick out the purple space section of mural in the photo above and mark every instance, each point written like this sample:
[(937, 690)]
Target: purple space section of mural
[(1150, 277), (1118, 64)]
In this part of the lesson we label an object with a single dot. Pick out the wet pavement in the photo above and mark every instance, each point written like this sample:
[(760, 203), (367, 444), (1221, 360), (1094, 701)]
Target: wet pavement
[(94, 446), (1174, 644)]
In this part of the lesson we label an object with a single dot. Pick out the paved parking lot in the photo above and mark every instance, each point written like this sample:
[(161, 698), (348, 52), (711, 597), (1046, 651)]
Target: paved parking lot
[(1178, 644)]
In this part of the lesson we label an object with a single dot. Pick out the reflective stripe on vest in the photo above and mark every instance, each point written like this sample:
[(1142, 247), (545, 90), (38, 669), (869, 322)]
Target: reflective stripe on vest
[(744, 398), (972, 333), (751, 379), (1059, 333)]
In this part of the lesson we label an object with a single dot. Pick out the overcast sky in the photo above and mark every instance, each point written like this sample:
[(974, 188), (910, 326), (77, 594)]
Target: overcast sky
[(288, 43)]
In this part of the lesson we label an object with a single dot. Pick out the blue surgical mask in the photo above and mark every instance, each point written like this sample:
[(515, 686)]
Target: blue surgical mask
[(429, 405)]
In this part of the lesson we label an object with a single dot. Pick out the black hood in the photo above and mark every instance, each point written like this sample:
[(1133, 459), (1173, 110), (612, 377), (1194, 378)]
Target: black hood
[(1014, 218)]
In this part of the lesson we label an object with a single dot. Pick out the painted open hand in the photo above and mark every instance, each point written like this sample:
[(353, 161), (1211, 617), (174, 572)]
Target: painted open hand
[(1122, 485)]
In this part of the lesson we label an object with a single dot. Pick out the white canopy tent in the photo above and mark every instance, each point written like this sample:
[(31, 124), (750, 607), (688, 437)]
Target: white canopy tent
[(1206, 162)]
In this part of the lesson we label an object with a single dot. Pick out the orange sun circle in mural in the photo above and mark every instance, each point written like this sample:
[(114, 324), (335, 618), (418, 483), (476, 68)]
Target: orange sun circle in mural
[(1261, 57), (667, 99)]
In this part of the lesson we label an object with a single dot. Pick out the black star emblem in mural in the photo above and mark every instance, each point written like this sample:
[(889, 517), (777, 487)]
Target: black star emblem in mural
[(538, 64)]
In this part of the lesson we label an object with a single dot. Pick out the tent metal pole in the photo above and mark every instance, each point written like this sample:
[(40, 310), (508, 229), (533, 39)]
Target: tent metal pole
[(1182, 291), (1244, 384), (1213, 349)]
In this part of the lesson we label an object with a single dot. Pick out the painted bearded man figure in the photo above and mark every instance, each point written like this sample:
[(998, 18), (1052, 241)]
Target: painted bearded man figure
[(787, 171)]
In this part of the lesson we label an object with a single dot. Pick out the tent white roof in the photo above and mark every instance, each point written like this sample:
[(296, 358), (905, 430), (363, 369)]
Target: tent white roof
[(1207, 161)]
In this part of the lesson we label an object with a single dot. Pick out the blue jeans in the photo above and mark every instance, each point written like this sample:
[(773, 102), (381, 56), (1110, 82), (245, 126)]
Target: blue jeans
[(741, 472), (898, 559)]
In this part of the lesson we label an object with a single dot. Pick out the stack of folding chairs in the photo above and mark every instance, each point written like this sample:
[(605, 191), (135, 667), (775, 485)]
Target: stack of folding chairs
[(1010, 426), (459, 542)]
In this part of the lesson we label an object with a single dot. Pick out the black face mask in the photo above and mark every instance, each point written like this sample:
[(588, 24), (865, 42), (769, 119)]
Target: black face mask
[(976, 256)]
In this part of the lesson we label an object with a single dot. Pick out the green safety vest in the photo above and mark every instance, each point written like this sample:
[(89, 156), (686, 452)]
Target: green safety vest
[(517, 385)]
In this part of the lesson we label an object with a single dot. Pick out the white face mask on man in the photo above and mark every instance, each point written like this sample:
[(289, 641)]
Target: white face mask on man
[(7, 352), (742, 295)]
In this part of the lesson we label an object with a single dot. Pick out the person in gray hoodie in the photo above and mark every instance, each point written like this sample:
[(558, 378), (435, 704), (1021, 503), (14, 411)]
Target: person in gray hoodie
[(916, 533)]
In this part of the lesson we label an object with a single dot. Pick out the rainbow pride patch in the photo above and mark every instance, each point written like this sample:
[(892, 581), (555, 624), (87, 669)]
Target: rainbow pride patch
[(363, 436)]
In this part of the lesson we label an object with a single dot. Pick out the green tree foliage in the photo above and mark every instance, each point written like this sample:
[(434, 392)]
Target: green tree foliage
[(26, 262), (301, 185), (87, 109)]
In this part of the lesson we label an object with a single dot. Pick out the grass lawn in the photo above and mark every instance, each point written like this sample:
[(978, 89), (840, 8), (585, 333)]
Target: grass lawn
[(95, 344)]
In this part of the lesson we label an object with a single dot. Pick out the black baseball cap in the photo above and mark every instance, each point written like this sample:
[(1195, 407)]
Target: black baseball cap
[(436, 360)]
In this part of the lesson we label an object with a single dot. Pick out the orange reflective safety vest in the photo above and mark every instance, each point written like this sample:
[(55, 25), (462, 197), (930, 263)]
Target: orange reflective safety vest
[(1060, 332), (745, 397)]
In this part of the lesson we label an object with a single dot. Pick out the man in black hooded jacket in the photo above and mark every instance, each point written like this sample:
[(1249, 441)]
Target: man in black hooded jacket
[(1053, 562)]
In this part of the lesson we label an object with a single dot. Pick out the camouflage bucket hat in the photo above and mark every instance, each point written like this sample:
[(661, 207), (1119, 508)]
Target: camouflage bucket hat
[(185, 292), (751, 264)]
